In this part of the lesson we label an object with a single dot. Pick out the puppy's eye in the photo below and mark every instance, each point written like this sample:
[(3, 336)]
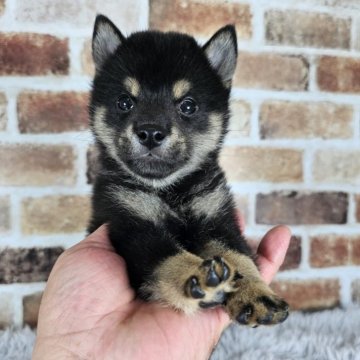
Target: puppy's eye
[(188, 106), (125, 103)]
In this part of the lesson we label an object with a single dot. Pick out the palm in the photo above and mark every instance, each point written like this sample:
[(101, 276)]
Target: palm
[(89, 304), (92, 304)]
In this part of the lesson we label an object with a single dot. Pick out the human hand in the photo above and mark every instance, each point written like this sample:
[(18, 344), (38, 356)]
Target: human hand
[(89, 310)]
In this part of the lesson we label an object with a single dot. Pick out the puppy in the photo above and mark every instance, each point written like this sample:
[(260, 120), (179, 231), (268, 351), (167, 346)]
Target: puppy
[(159, 111)]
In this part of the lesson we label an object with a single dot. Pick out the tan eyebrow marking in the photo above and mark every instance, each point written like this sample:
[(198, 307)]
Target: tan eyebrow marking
[(180, 88), (132, 86)]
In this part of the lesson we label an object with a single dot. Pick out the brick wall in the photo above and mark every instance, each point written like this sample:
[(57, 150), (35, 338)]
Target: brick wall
[(292, 154)]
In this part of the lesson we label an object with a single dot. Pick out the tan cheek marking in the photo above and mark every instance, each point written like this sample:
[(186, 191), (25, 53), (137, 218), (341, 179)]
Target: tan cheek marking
[(132, 86), (103, 131), (180, 88), (177, 139), (204, 143)]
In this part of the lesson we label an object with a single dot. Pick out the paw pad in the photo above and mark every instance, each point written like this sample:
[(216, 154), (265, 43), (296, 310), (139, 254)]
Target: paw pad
[(217, 271), (245, 314), (194, 288)]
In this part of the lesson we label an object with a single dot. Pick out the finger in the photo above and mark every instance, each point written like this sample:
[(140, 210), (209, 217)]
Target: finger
[(272, 250), (99, 238)]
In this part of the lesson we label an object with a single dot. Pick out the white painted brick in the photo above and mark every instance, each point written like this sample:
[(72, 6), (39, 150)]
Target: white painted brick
[(6, 309), (129, 16)]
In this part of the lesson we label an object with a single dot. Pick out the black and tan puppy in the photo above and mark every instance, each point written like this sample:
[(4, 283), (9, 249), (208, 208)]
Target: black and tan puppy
[(159, 112)]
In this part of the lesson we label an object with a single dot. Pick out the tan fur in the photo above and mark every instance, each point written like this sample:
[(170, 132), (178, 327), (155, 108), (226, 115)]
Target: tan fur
[(210, 204), (104, 131), (249, 293), (177, 140), (172, 276), (203, 144), (250, 287), (171, 285), (242, 263), (180, 89), (132, 86), (208, 141), (146, 206)]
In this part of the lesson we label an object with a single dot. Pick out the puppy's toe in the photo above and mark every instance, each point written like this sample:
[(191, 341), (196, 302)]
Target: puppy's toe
[(256, 305)]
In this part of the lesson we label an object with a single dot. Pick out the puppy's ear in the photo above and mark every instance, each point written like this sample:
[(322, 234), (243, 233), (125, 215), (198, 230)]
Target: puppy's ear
[(221, 50), (106, 39)]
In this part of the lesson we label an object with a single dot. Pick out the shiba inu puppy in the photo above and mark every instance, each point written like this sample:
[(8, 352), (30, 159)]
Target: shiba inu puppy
[(159, 112)]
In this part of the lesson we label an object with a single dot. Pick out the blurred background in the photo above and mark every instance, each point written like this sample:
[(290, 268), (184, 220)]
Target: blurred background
[(292, 154)]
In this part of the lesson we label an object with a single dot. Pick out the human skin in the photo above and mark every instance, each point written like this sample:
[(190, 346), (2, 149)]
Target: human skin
[(89, 310)]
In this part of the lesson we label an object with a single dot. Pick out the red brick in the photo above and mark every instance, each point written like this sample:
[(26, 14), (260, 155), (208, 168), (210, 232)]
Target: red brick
[(338, 74), (334, 250), (3, 112), (357, 200), (31, 305), (4, 213), (27, 265), (37, 165), (271, 71), (274, 165), (49, 112), (185, 15), (297, 208), (55, 214), (307, 120), (329, 250), (309, 294), (355, 250), (303, 28), (293, 256), (33, 54)]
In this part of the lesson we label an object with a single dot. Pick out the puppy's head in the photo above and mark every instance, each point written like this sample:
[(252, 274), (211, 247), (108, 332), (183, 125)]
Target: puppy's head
[(159, 103)]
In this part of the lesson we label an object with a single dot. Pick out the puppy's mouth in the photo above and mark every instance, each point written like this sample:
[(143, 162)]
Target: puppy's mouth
[(151, 165), (150, 156)]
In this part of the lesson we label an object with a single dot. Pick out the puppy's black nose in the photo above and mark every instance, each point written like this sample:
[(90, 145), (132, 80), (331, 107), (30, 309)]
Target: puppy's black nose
[(151, 135)]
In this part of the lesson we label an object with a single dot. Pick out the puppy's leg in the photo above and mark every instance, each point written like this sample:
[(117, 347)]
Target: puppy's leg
[(250, 301), (187, 282)]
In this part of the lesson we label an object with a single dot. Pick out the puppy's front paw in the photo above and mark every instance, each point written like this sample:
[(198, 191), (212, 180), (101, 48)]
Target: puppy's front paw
[(255, 304), (188, 282)]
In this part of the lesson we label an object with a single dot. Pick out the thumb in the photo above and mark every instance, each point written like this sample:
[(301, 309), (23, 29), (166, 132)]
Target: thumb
[(99, 238)]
